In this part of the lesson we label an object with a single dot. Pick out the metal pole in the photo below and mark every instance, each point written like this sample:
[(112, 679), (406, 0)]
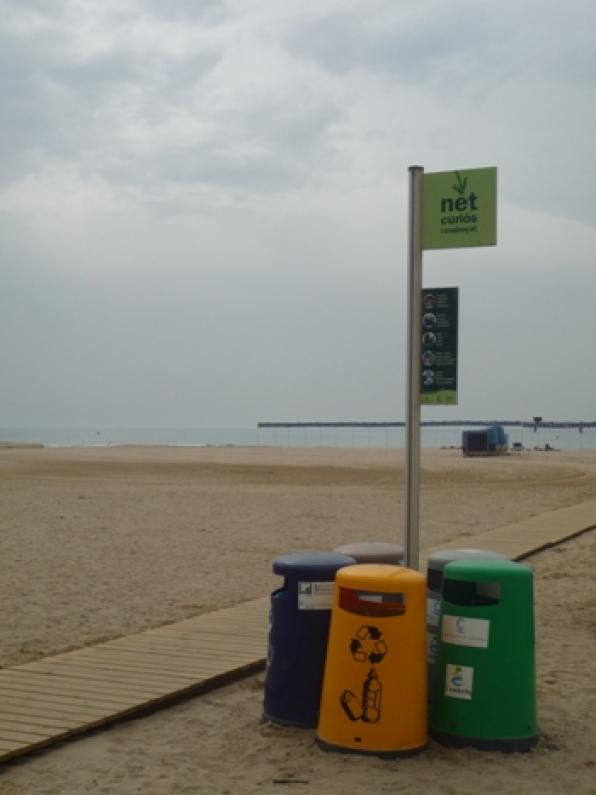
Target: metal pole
[(412, 532)]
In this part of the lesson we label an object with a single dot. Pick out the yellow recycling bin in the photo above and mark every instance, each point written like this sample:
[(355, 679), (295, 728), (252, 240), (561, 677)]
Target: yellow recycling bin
[(374, 686)]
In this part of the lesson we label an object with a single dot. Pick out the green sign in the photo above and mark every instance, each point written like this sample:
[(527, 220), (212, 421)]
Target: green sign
[(438, 385), (459, 208)]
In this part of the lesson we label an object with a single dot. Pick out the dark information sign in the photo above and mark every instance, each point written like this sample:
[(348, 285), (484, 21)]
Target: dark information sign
[(439, 346)]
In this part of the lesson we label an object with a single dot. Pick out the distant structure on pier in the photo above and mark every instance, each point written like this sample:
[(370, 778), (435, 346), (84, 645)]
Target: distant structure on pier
[(486, 442), (536, 423)]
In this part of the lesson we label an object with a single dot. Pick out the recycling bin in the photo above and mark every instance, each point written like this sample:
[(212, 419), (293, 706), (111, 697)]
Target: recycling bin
[(484, 680), (373, 552), (434, 577), (298, 630), (374, 688)]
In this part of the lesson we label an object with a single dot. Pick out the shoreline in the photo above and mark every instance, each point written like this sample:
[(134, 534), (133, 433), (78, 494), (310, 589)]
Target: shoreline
[(434, 436), (512, 451)]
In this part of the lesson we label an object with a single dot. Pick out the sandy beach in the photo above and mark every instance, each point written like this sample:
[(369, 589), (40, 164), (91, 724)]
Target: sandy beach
[(98, 543)]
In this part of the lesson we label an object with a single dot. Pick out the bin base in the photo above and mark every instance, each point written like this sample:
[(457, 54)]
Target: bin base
[(297, 724), (517, 744), (340, 749)]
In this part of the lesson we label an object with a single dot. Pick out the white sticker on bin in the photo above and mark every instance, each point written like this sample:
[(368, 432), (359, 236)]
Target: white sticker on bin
[(433, 611), (315, 595), (459, 680), (462, 631)]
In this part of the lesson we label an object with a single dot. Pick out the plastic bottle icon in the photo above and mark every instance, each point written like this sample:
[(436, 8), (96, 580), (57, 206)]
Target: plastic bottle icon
[(371, 698), (351, 705)]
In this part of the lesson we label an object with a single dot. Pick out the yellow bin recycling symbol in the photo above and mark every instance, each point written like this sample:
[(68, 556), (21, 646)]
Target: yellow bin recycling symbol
[(374, 687)]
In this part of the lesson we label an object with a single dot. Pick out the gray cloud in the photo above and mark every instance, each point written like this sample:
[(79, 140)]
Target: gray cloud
[(68, 109), (432, 42), (207, 12), (82, 111), (404, 43)]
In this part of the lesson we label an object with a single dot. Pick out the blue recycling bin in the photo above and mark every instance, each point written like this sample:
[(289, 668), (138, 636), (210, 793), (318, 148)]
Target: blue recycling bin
[(298, 629)]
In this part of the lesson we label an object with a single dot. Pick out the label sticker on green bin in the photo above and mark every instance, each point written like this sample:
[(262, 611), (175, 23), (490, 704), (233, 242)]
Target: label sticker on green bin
[(458, 681), (462, 631)]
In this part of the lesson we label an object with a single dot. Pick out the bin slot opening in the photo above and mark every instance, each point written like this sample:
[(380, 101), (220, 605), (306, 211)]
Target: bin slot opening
[(461, 592), (372, 603), (434, 579)]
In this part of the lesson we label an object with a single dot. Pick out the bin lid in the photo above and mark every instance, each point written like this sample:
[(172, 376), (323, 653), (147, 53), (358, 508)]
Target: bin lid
[(478, 583), (379, 576), (373, 552), (316, 565), (439, 559), (485, 570)]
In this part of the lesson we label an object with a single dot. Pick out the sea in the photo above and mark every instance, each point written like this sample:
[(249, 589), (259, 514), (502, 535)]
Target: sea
[(379, 437)]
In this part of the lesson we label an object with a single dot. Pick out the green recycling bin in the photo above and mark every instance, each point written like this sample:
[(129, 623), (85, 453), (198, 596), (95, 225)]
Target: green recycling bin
[(484, 678)]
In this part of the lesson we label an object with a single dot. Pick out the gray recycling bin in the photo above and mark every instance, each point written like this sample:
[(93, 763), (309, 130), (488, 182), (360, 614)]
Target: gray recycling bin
[(298, 630), (434, 578), (373, 552)]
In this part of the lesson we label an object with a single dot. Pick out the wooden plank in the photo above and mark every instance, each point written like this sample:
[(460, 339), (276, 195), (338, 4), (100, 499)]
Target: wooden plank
[(51, 711), (203, 666), (14, 735), (159, 657), (66, 703), (202, 644), (66, 700), (244, 628), (6, 746), (83, 720), (6, 716), (197, 663), (191, 634), (141, 663), (63, 695), (63, 684), (80, 674), (177, 667), (236, 633), (225, 640), (239, 619), (113, 702), (193, 657), (87, 697)]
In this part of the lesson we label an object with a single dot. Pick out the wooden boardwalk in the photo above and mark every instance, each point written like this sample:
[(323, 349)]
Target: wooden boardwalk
[(522, 539), (67, 694), (64, 695)]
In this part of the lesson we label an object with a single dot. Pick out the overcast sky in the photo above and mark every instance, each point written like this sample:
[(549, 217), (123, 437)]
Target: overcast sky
[(203, 207)]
